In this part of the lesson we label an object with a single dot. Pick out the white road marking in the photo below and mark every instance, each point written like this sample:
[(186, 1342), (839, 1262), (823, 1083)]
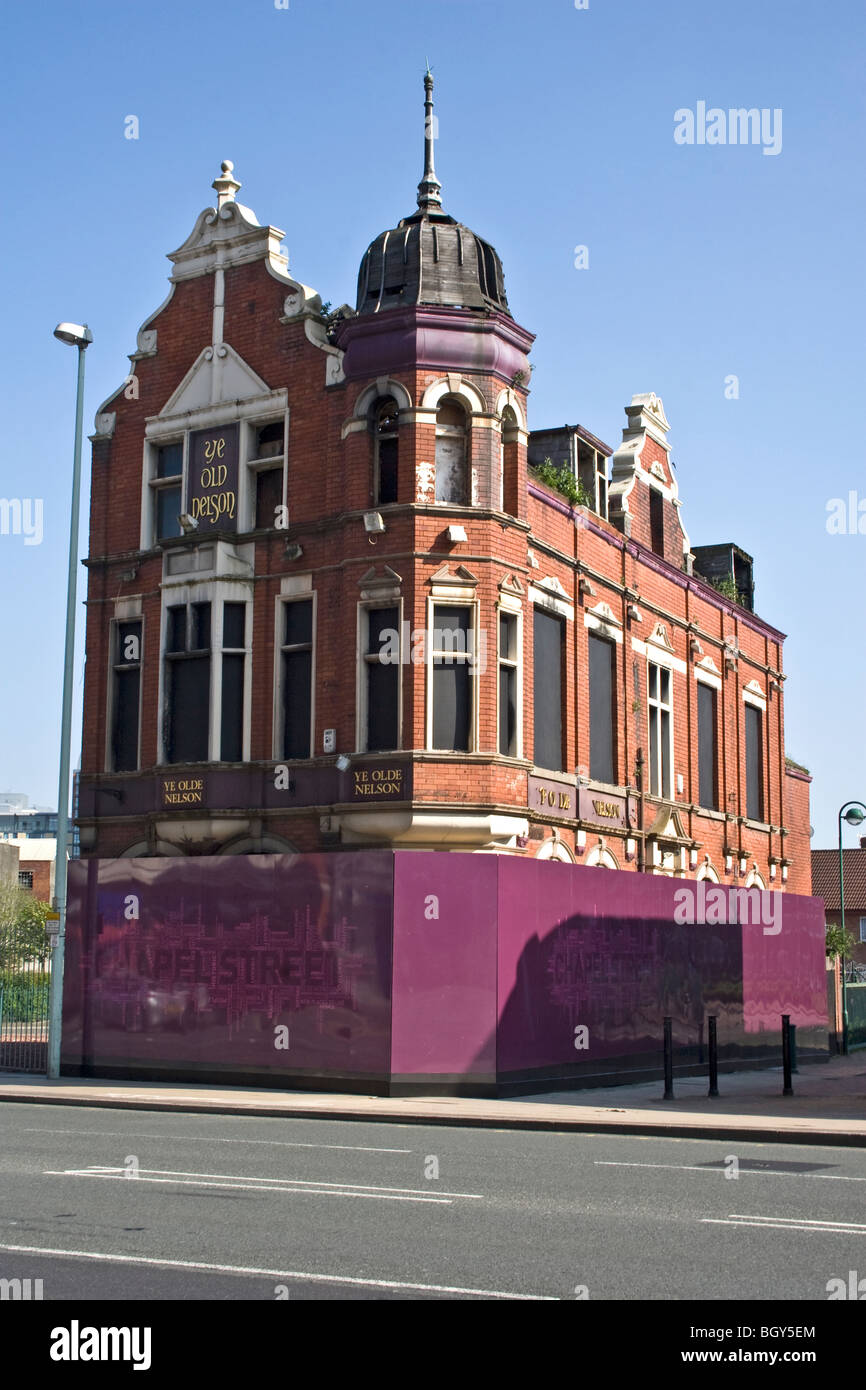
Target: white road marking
[(210, 1139), (278, 1274), (702, 1168), (789, 1223), (256, 1184)]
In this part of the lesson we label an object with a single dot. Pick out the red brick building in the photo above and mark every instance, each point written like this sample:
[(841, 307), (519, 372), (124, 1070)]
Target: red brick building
[(330, 605)]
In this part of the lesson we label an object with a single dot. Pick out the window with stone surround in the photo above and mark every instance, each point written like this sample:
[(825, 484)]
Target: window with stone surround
[(452, 453), (659, 702), (453, 677), (297, 661), (266, 464), (602, 706), (379, 714), (548, 664), (125, 696), (166, 487), (708, 795), (385, 440)]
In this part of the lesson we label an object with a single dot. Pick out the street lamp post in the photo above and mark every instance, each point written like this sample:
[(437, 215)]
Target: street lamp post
[(76, 335), (853, 813)]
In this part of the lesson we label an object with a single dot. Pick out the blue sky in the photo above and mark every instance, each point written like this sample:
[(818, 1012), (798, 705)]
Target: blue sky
[(555, 130)]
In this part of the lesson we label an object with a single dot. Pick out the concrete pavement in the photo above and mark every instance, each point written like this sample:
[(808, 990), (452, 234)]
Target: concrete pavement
[(828, 1105)]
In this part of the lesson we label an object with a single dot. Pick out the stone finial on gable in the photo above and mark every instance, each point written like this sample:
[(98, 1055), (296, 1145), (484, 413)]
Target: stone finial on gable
[(646, 413), (226, 186)]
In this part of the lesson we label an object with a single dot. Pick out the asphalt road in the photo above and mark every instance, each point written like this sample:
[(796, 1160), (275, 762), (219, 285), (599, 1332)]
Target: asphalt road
[(226, 1208)]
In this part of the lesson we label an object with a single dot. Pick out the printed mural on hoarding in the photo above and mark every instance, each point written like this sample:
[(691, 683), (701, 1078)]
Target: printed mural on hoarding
[(253, 962)]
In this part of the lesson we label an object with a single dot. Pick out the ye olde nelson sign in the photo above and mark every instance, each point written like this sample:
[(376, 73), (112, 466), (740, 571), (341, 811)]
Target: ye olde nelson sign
[(378, 783), (183, 791), (213, 478), (564, 800)]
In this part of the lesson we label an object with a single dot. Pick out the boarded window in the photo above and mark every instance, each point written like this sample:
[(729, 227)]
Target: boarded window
[(188, 672), (383, 681), (602, 669), (754, 764), (297, 678), (707, 794), (126, 697), (452, 480), (452, 678), (233, 668), (547, 656), (386, 451), (657, 521), (508, 685), (269, 496)]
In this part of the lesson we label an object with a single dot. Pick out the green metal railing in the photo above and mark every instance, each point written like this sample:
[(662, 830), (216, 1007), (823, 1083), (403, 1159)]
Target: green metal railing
[(856, 1015), (25, 987)]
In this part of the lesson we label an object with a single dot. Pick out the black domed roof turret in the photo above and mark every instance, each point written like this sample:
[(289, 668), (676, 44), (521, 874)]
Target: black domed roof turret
[(430, 258)]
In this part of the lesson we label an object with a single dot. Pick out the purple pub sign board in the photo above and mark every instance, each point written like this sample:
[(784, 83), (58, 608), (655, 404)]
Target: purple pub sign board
[(380, 971)]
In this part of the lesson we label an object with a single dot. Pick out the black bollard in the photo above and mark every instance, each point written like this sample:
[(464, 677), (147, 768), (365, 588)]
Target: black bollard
[(669, 1060), (794, 1066), (787, 1088), (714, 1058)]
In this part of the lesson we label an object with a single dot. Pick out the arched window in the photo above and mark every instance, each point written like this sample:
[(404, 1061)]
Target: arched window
[(452, 464), (508, 486), (601, 858), (383, 425)]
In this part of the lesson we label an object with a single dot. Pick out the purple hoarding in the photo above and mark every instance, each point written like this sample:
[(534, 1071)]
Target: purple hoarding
[(264, 964), (379, 970)]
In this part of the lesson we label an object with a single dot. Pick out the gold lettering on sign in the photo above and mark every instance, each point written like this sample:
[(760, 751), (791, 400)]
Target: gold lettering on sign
[(378, 781), (608, 809), (189, 791), (215, 503), (558, 800)]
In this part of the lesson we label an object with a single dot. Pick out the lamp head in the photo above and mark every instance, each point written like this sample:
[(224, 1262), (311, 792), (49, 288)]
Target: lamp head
[(75, 334), (854, 816)]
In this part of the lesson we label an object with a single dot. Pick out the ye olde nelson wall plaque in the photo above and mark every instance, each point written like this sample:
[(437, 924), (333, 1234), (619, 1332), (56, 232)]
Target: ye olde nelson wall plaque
[(553, 797), (378, 783), (183, 791), (213, 478)]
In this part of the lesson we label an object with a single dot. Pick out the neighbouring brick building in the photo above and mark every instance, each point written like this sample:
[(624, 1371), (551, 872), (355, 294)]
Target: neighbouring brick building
[(330, 605), (825, 884)]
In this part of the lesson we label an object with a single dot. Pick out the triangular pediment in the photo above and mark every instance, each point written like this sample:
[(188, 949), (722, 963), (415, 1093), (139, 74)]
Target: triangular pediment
[(659, 636), (511, 585), (605, 613), (553, 586), (444, 576), (218, 374)]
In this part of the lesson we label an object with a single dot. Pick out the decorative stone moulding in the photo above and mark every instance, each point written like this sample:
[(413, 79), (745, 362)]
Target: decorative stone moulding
[(105, 424)]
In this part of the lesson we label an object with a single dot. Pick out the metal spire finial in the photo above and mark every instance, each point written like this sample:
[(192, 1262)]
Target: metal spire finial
[(429, 189)]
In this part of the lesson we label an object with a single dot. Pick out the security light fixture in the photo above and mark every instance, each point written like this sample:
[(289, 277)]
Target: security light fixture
[(188, 523), (293, 550), (373, 522), (344, 763), (457, 534)]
